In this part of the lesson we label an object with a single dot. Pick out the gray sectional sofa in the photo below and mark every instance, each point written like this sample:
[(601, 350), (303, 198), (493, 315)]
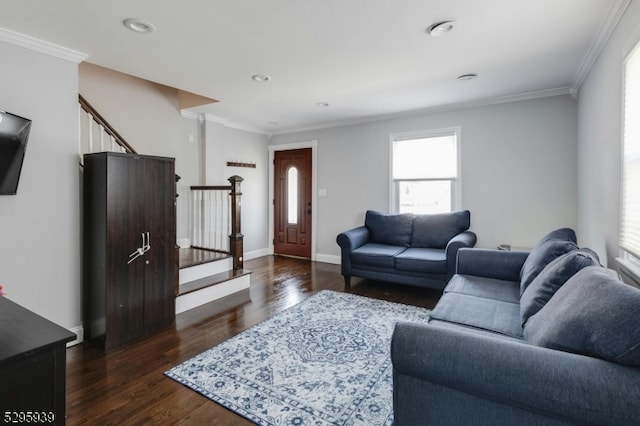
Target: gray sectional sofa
[(418, 250), (546, 337)]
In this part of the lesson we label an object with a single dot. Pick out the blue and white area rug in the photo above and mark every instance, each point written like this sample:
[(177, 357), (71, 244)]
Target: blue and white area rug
[(325, 361)]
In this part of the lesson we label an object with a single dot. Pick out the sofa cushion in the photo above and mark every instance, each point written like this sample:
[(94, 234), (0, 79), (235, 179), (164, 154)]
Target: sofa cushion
[(435, 230), (422, 260), (593, 314), (479, 312), (372, 254), (551, 278), (391, 229), (541, 255), (489, 288)]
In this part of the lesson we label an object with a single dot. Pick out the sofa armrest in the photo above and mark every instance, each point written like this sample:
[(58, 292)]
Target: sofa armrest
[(353, 238), (556, 384), (348, 242), (489, 263), (462, 240)]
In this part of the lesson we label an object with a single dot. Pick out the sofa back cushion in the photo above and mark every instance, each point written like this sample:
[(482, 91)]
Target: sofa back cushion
[(593, 314), (435, 230), (391, 229), (554, 244), (551, 278)]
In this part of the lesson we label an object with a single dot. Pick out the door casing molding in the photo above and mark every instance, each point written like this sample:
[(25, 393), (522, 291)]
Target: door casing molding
[(313, 144)]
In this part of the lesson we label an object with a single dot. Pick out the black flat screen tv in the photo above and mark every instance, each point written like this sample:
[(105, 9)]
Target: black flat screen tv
[(14, 133)]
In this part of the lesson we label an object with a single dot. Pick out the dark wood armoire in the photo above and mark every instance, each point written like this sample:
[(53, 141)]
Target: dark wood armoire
[(130, 262)]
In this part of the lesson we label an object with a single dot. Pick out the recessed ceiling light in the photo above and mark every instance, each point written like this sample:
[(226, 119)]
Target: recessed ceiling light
[(260, 78), (138, 26), (440, 28), (322, 104), (467, 77)]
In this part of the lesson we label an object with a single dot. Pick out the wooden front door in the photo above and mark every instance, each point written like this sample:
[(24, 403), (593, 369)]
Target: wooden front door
[(292, 202)]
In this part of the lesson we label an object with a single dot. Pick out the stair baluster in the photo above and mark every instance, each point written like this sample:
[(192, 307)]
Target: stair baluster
[(216, 219)]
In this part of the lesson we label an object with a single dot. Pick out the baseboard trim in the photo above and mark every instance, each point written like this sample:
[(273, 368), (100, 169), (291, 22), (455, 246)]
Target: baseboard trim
[(79, 332), (328, 258), (256, 254)]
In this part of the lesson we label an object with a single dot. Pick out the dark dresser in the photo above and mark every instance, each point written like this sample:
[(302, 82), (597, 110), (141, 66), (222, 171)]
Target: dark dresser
[(32, 367)]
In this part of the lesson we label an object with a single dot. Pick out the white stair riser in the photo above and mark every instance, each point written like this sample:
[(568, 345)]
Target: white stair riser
[(209, 294), (200, 271)]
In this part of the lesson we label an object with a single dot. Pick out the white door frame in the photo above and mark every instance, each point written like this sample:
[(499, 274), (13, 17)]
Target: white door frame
[(313, 144)]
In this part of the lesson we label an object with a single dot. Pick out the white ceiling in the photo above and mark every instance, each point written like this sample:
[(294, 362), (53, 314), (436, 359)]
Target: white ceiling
[(366, 58)]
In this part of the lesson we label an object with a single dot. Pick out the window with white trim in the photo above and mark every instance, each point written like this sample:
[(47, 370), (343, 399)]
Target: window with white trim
[(630, 193), (425, 172)]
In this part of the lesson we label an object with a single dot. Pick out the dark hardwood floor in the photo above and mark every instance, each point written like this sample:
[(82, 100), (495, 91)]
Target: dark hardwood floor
[(127, 385)]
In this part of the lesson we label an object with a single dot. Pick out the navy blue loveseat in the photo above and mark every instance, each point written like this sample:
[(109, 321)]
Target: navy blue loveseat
[(542, 338), (406, 248)]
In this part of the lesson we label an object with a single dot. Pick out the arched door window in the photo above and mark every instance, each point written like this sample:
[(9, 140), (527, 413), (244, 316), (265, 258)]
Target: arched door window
[(292, 195)]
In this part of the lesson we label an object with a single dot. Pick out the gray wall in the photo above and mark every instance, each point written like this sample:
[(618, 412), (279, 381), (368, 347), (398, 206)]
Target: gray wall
[(519, 169), (600, 140), (39, 227), (224, 144)]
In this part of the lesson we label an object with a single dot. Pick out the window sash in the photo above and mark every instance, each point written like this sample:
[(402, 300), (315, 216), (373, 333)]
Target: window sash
[(426, 156), (428, 168), (630, 185), (404, 205)]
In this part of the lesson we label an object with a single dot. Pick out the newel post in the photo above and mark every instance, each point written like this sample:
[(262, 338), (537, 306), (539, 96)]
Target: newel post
[(236, 237)]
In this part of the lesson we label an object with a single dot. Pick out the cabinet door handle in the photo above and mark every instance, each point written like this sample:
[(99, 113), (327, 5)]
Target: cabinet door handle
[(140, 251), (136, 254), (146, 243)]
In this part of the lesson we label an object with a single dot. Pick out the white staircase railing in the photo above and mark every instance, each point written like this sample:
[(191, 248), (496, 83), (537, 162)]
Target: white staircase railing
[(211, 209), (216, 219), (96, 135)]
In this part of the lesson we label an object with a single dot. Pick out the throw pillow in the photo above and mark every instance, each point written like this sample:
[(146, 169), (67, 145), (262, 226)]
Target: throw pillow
[(565, 234), (391, 229), (551, 278), (436, 230), (593, 314), (541, 255)]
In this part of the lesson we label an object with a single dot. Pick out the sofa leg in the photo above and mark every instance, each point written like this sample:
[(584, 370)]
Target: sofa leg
[(347, 282)]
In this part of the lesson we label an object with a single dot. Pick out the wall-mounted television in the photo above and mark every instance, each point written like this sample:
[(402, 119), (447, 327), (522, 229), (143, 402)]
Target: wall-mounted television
[(14, 133)]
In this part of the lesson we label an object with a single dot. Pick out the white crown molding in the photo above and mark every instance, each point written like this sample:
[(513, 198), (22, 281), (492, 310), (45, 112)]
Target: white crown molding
[(41, 46), (223, 121), (608, 25), (189, 114), (437, 109), (430, 110), (234, 125)]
